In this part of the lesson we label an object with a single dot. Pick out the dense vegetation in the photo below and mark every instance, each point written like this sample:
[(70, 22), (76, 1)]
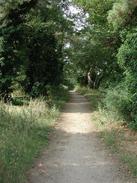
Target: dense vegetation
[(31, 46), (32, 35), (45, 45), (24, 131), (104, 54), (120, 139)]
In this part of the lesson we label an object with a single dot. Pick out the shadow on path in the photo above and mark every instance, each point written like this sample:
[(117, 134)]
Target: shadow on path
[(75, 153)]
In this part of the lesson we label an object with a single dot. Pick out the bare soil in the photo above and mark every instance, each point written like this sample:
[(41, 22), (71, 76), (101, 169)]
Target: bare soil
[(76, 153)]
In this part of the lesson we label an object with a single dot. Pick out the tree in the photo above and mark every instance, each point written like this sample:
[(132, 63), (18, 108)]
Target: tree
[(11, 35), (97, 45), (32, 41)]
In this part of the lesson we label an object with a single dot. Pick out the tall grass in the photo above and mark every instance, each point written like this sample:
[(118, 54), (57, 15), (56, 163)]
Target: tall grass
[(24, 131), (110, 123)]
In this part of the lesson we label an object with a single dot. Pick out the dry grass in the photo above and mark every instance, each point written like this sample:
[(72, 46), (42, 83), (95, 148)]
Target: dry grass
[(24, 131), (119, 138)]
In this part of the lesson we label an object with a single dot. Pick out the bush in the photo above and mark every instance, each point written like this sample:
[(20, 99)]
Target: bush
[(127, 59), (118, 101), (56, 95)]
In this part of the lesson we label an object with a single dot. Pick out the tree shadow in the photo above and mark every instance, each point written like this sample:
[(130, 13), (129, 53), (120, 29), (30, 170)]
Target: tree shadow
[(77, 157), (78, 104)]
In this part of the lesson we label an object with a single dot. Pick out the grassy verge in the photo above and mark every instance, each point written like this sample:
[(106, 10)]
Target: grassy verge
[(117, 137), (24, 131)]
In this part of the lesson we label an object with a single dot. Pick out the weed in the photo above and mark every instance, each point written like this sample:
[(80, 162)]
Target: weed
[(109, 124), (24, 131)]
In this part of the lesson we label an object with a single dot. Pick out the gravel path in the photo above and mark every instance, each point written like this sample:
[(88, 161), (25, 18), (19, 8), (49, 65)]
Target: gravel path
[(75, 153)]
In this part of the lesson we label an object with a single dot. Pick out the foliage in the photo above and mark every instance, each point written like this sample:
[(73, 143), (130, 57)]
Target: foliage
[(117, 101), (94, 48), (117, 137), (32, 40), (41, 49), (127, 58), (24, 131), (32, 35), (105, 54), (122, 13), (11, 52)]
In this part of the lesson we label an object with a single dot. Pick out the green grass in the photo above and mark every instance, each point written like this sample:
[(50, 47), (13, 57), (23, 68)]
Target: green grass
[(24, 132), (93, 95), (131, 161), (109, 127), (109, 138)]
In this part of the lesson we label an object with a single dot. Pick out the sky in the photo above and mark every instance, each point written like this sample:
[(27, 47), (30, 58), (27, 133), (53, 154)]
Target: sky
[(77, 15)]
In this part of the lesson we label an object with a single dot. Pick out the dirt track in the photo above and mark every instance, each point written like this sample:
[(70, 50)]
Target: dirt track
[(75, 153)]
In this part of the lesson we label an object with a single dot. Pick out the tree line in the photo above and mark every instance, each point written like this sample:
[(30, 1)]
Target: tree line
[(40, 48), (105, 53), (31, 46)]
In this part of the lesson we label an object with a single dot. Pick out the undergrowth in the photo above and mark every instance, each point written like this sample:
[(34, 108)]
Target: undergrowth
[(24, 132), (111, 126)]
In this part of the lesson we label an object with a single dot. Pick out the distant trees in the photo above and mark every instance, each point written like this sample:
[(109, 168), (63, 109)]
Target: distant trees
[(34, 51), (96, 45), (108, 48)]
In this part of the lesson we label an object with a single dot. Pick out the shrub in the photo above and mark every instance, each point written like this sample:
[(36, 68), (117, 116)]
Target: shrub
[(118, 101), (127, 59)]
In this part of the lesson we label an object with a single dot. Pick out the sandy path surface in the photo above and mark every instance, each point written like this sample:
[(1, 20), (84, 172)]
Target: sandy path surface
[(75, 153)]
